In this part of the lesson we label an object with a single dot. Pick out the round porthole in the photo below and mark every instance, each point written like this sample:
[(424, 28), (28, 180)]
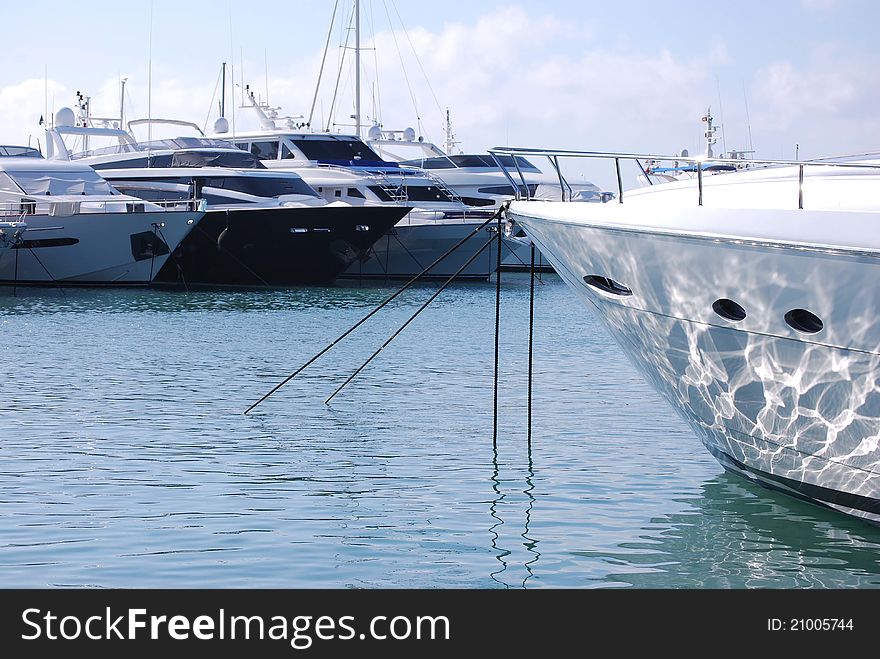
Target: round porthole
[(607, 285), (804, 321), (728, 309)]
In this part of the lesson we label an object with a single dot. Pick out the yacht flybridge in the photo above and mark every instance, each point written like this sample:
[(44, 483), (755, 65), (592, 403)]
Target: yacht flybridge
[(479, 179), (748, 300), (73, 227), (261, 228)]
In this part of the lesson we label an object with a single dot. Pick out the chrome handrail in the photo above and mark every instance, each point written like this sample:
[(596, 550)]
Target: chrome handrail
[(45, 207), (700, 164)]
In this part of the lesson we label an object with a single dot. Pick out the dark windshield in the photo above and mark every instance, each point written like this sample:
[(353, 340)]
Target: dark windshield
[(19, 152), (259, 186), (488, 161), (234, 159), (440, 162), (262, 186), (478, 160), (231, 159), (336, 148)]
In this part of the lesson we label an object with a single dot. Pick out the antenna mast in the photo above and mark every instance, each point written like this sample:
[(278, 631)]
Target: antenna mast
[(122, 82), (709, 134), (450, 144), (357, 67), (223, 90)]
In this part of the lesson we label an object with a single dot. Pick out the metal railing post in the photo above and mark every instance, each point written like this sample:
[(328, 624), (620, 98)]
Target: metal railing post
[(700, 182), (522, 178), (619, 181), (507, 175), (555, 162), (801, 187)]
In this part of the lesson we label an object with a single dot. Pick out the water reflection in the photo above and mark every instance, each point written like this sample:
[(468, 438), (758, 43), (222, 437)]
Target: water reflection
[(47, 300), (508, 505), (739, 535)]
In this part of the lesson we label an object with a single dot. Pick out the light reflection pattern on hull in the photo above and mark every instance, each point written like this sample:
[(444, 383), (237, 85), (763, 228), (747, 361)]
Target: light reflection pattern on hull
[(796, 412)]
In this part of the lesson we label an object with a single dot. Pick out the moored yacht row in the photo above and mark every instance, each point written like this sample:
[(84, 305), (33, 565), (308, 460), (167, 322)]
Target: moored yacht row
[(274, 207)]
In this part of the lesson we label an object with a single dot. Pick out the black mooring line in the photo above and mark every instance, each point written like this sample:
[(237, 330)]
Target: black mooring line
[(413, 317), (15, 277), (153, 252), (531, 341), (175, 261), (374, 311), (497, 334), (54, 281)]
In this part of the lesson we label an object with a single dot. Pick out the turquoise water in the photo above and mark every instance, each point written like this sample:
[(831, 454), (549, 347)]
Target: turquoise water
[(126, 460)]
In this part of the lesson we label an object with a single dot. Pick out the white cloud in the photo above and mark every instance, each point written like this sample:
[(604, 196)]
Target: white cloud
[(522, 77), (826, 103), (21, 106)]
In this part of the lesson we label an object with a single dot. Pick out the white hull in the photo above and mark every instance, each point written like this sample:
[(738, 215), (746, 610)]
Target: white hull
[(95, 248), (795, 411)]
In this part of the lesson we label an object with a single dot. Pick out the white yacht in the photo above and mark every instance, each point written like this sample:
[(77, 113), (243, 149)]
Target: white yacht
[(479, 179), (261, 228), (747, 299), (344, 168), (80, 230), (482, 181)]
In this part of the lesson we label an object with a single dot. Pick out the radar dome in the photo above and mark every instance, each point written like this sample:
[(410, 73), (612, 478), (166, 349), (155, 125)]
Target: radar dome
[(684, 153), (65, 117), (221, 125), (375, 133), (409, 134)]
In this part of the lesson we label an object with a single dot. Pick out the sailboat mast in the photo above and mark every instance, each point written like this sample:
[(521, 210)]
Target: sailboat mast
[(122, 102), (357, 67), (223, 91)]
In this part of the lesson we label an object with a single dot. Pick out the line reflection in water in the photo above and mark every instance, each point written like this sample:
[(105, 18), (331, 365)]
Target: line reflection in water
[(511, 511)]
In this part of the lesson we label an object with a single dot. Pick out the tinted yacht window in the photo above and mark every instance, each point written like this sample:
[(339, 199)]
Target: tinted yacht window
[(265, 150), (507, 161), (333, 148), (425, 193), (262, 186), (152, 194), (430, 163), (230, 159)]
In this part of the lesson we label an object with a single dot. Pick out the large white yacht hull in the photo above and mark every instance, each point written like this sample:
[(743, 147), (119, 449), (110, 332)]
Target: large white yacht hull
[(93, 249), (799, 412)]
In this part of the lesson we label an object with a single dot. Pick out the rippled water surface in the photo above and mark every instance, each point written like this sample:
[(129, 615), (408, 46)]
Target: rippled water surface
[(126, 459)]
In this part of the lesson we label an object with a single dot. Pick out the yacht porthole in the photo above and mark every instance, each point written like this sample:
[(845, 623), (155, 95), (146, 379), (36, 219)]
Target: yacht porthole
[(804, 321), (607, 285), (728, 309)]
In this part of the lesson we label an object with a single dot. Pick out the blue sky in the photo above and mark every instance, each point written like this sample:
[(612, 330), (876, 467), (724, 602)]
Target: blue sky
[(631, 76)]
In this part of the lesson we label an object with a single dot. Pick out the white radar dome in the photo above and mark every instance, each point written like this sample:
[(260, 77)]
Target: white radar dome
[(375, 133), (221, 125), (65, 117), (409, 134)]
